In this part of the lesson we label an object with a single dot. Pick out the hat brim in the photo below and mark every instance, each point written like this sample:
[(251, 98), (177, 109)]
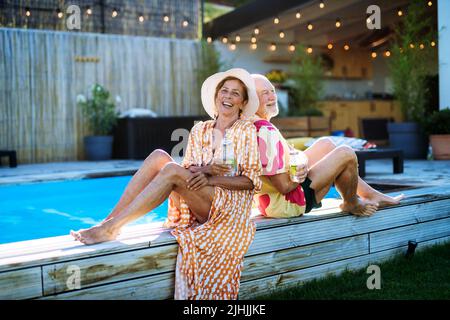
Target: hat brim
[(209, 89)]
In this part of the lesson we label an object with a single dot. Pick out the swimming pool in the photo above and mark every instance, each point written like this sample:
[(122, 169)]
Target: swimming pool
[(40, 210)]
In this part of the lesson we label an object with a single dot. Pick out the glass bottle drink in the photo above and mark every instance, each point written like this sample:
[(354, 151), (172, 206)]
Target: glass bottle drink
[(296, 159), (228, 156)]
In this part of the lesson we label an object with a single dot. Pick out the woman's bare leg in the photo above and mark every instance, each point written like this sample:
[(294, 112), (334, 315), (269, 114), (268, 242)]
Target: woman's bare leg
[(324, 146), (341, 167), (172, 177), (148, 170)]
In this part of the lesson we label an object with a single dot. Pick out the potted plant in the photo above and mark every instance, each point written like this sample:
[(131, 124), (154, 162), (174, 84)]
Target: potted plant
[(409, 66), (101, 117), (438, 127), (305, 85)]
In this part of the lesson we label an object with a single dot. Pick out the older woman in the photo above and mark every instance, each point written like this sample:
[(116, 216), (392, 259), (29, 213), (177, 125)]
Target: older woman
[(209, 208)]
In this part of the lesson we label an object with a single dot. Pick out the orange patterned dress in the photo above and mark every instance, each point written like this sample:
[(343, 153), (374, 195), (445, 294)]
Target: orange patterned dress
[(210, 255)]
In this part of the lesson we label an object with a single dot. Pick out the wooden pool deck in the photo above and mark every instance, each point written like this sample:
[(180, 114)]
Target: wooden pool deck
[(140, 263)]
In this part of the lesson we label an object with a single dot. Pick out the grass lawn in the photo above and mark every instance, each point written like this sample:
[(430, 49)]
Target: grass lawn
[(426, 276)]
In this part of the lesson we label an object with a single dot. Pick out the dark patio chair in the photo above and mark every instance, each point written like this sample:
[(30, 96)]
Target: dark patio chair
[(11, 154)]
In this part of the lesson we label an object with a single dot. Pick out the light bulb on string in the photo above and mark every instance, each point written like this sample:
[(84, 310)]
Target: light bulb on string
[(291, 47)]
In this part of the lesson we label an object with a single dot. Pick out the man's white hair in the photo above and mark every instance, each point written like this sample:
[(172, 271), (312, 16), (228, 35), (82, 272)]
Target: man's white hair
[(259, 76)]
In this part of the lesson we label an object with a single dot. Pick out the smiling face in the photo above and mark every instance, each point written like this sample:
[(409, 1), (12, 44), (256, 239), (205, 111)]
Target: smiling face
[(268, 105), (231, 97)]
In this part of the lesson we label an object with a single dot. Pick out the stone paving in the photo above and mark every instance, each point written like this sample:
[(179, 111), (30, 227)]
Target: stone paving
[(416, 172)]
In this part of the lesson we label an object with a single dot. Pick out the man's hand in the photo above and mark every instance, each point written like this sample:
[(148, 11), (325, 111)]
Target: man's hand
[(302, 173), (197, 181)]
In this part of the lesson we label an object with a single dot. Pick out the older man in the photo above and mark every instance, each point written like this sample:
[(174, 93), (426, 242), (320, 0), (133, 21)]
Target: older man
[(327, 165)]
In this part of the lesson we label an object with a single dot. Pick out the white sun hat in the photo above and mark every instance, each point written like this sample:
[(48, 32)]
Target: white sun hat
[(209, 89)]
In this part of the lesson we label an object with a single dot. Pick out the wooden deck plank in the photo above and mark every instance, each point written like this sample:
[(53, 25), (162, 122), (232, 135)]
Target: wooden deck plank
[(21, 284), (44, 251), (289, 236), (110, 268), (277, 262), (156, 287), (398, 237)]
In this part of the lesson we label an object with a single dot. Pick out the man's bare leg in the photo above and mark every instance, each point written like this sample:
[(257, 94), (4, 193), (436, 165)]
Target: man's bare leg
[(172, 177), (341, 167), (322, 147), (148, 170)]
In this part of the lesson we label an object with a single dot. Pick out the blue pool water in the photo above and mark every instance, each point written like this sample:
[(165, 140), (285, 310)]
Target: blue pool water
[(40, 210)]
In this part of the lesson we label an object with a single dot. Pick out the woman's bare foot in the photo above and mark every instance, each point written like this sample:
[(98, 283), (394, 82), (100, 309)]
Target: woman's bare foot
[(360, 207), (384, 200), (95, 234)]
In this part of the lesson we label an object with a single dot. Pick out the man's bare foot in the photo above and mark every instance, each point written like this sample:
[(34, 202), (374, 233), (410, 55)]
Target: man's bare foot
[(95, 234), (384, 200), (360, 207)]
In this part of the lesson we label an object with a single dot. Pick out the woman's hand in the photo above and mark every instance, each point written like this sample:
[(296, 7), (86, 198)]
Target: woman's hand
[(212, 169), (302, 173), (197, 181)]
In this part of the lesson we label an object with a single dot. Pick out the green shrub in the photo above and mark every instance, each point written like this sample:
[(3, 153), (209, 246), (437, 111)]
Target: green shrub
[(99, 111), (306, 78), (438, 122)]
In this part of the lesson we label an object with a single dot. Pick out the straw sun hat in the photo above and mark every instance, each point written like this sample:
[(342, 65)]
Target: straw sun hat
[(209, 89)]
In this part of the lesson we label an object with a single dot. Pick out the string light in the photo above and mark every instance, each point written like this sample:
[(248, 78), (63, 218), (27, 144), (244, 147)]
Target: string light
[(276, 20), (224, 40), (330, 46), (114, 13), (309, 50), (88, 11), (298, 15), (238, 38), (282, 34), (338, 23), (373, 54), (346, 47), (411, 45), (253, 39), (273, 47), (433, 43), (232, 46), (430, 3), (27, 12), (321, 5), (421, 46), (141, 18), (291, 47), (256, 31), (59, 13), (387, 53), (166, 18), (254, 46), (310, 26), (185, 23), (399, 12), (209, 39)]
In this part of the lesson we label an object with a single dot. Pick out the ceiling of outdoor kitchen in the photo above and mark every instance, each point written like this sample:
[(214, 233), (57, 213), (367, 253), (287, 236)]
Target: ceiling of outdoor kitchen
[(352, 14)]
